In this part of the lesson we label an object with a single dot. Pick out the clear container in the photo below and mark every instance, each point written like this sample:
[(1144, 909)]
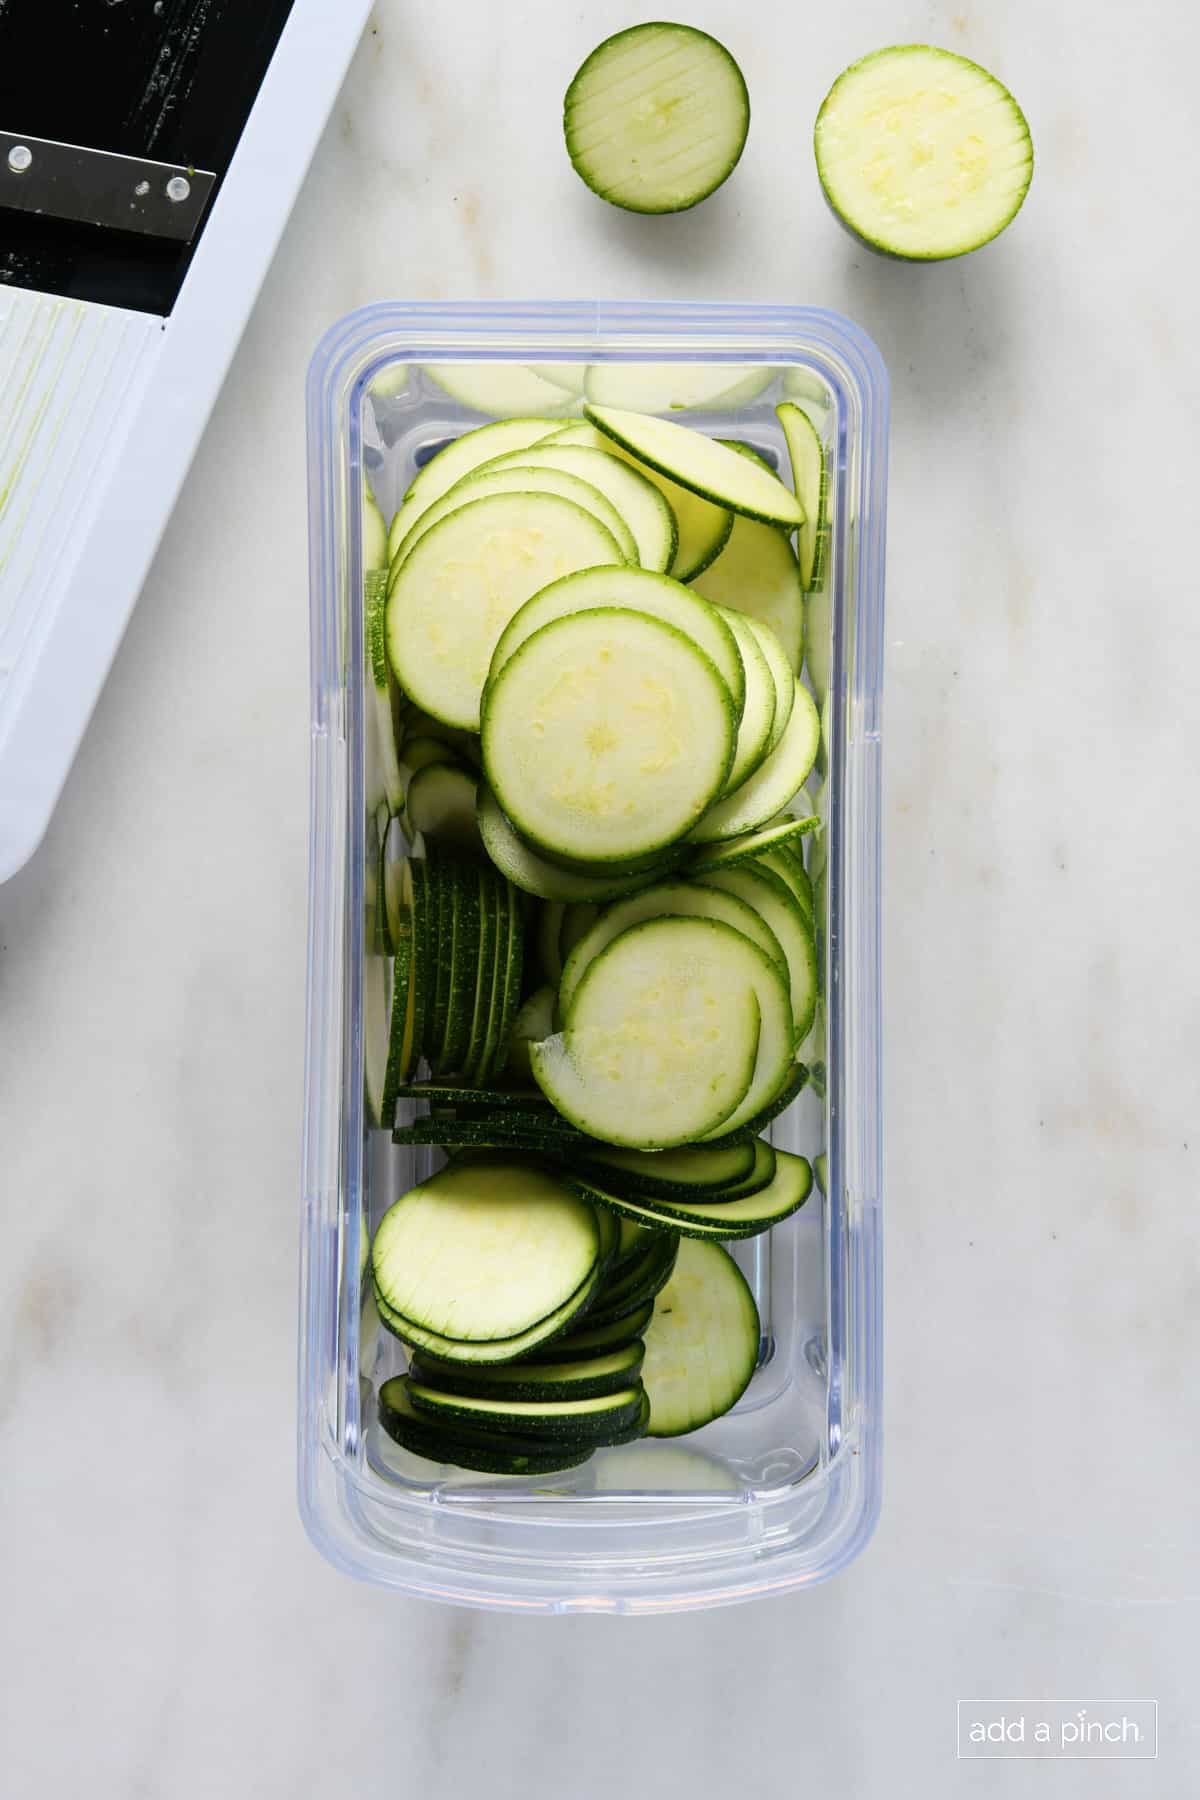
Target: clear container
[(785, 1490)]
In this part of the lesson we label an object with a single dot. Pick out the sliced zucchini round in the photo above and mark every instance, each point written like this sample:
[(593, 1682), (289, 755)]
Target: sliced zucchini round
[(758, 709), (703, 1342), (483, 1252), (515, 478), (458, 459), (457, 590), (921, 153), (674, 1172), (703, 527), (522, 865), (597, 1417), (807, 456), (588, 1339), (746, 1215), (753, 846), (680, 899), (701, 463), (757, 574), (781, 672), (492, 1453), (656, 118), (662, 1045), (607, 736), (771, 786), (581, 1379), (640, 505), (769, 896), (639, 590)]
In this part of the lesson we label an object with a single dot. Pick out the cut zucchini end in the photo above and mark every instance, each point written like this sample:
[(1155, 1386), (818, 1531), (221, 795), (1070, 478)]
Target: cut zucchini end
[(656, 118), (922, 154)]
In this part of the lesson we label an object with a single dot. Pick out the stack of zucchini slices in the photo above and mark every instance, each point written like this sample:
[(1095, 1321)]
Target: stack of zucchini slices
[(597, 971)]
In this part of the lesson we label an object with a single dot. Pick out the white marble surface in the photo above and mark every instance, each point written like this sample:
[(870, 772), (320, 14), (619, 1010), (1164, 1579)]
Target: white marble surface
[(165, 1630)]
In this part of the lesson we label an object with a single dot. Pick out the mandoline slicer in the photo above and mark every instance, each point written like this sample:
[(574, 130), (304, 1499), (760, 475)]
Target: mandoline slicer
[(150, 151)]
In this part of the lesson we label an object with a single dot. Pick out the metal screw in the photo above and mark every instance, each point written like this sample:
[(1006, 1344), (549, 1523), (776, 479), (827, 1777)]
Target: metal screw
[(178, 188), (20, 158)]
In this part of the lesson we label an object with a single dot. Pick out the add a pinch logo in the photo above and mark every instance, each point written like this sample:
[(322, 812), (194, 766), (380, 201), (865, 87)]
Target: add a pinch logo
[(1125, 1729)]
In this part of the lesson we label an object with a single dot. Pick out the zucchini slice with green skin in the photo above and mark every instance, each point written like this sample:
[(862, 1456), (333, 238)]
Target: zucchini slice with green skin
[(791, 871), (646, 518), (678, 899), (922, 154), (757, 719), (797, 1081), (711, 469), (753, 847), (656, 118), (481, 1008), (649, 1193), (821, 1171), (592, 1418), (759, 1176), (607, 736), (441, 804), (467, 452), (640, 590), (782, 676), (807, 456), (703, 527), (672, 1172), (509, 970), (505, 390), (484, 1252), (663, 1041), (511, 475), (631, 1241), (454, 1093), (415, 895), (757, 574), (780, 910), (464, 966), (702, 1344), (534, 874), (439, 876), (491, 1453), (590, 1339), (640, 1282), (747, 1216), (583, 1379), (499, 978), (458, 588), (771, 786)]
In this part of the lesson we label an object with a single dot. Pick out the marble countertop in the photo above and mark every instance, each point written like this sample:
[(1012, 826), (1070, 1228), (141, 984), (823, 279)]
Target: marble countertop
[(167, 1630)]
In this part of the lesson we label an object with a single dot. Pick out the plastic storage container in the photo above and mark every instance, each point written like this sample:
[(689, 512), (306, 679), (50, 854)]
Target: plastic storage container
[(785, 1490)]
